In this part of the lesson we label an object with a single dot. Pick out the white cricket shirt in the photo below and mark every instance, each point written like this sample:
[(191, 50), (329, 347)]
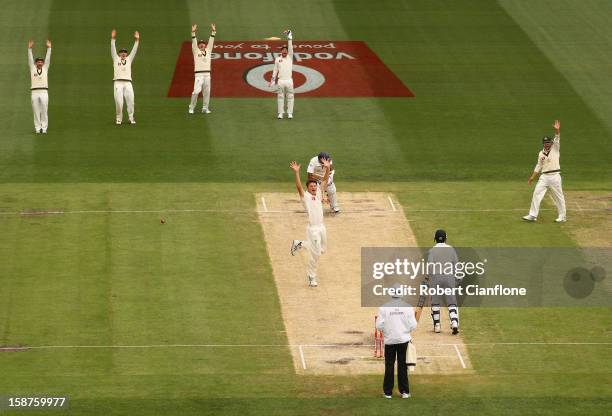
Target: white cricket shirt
[(122, 67), (201, 59), (396, 320), (549, 162), (314, 207), (39, 77)]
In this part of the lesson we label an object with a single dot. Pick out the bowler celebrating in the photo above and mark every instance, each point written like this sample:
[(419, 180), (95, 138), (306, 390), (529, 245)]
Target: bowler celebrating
[(201, 62), (549, 169), (39, 69), (122, 64), (316, 234), (283, 77)]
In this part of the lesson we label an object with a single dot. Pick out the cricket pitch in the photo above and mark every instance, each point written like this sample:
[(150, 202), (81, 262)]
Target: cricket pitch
[(328, 330)]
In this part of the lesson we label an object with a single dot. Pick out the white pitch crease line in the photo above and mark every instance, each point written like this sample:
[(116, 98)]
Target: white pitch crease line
[(302, 357), (263, 202), (391, 202), (459, 355)]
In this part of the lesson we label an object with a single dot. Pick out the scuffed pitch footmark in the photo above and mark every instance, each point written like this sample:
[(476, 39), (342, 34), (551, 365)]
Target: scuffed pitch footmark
[(341, 361), (13, 348)]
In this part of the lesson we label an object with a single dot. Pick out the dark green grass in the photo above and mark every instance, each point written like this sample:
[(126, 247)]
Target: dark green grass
[(484, 95), (101, 278)]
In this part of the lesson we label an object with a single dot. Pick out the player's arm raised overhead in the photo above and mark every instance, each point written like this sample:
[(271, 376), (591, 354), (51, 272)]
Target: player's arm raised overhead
[(194, 39), (135, 47), (211, 39), (289, 34), (557, 140), (113, 47), (30, 56), (48, 56), (298, 182)]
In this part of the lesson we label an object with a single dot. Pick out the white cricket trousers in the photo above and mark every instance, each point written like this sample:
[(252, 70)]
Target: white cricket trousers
[(547, 181), (40, 106), (201, 84), (124, 89), (316, 244), (285, 89)]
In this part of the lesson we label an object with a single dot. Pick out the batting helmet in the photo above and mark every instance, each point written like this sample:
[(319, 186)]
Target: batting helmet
[(440, 236), (324, 155)]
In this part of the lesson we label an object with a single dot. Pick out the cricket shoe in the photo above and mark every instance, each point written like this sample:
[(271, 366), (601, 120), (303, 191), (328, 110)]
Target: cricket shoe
[(132, 121), (437, 328), (295, 246), (312, 281), (455, 328), (405, 395), (336, 210), (191, 111), (280, 116), (206, 111), (530, 218), (561, 219), (118, 122), (289, 115), (43, 131), (387, 396)]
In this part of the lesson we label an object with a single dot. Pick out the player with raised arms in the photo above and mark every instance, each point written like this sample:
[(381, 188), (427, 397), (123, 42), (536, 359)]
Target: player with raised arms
[(122, 79), (39, 70), (316, 234), (201, 61), (282, 76)]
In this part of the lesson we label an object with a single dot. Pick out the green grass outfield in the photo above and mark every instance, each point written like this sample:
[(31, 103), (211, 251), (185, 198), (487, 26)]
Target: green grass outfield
[(489, 77)]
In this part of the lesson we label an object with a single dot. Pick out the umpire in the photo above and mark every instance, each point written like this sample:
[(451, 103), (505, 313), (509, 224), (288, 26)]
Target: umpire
[(396, 321)]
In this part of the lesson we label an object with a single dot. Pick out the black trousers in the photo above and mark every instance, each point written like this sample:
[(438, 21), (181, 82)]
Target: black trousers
[(393, 352)]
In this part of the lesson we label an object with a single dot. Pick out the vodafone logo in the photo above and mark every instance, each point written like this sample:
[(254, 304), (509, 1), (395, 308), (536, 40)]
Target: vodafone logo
[(256, 77), (321, 68)]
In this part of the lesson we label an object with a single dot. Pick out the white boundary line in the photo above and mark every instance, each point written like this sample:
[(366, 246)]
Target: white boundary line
[(391, 202), (263, 202), (302, 358), (301, 346), (253, 212), (460, 357)]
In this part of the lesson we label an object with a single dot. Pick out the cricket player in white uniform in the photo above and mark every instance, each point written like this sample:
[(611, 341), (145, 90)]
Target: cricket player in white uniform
[(316, 235), (201, 62), (39, 70), (316, 171), (549, 169), (438, 257), (122, 66), (282, 76)]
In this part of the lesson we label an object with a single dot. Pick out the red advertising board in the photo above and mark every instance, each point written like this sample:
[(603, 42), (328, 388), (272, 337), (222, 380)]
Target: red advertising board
[(320, 69)]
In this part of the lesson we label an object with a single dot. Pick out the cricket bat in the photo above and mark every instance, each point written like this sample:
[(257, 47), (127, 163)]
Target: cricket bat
[(421, 302)]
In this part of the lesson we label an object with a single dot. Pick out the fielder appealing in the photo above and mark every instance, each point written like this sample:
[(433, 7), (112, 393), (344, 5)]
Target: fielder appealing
[(442, 254), (316, 172), (549, 169), (122, 79), (283, 77), (316, 235), (201, 62), (39, 70)]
